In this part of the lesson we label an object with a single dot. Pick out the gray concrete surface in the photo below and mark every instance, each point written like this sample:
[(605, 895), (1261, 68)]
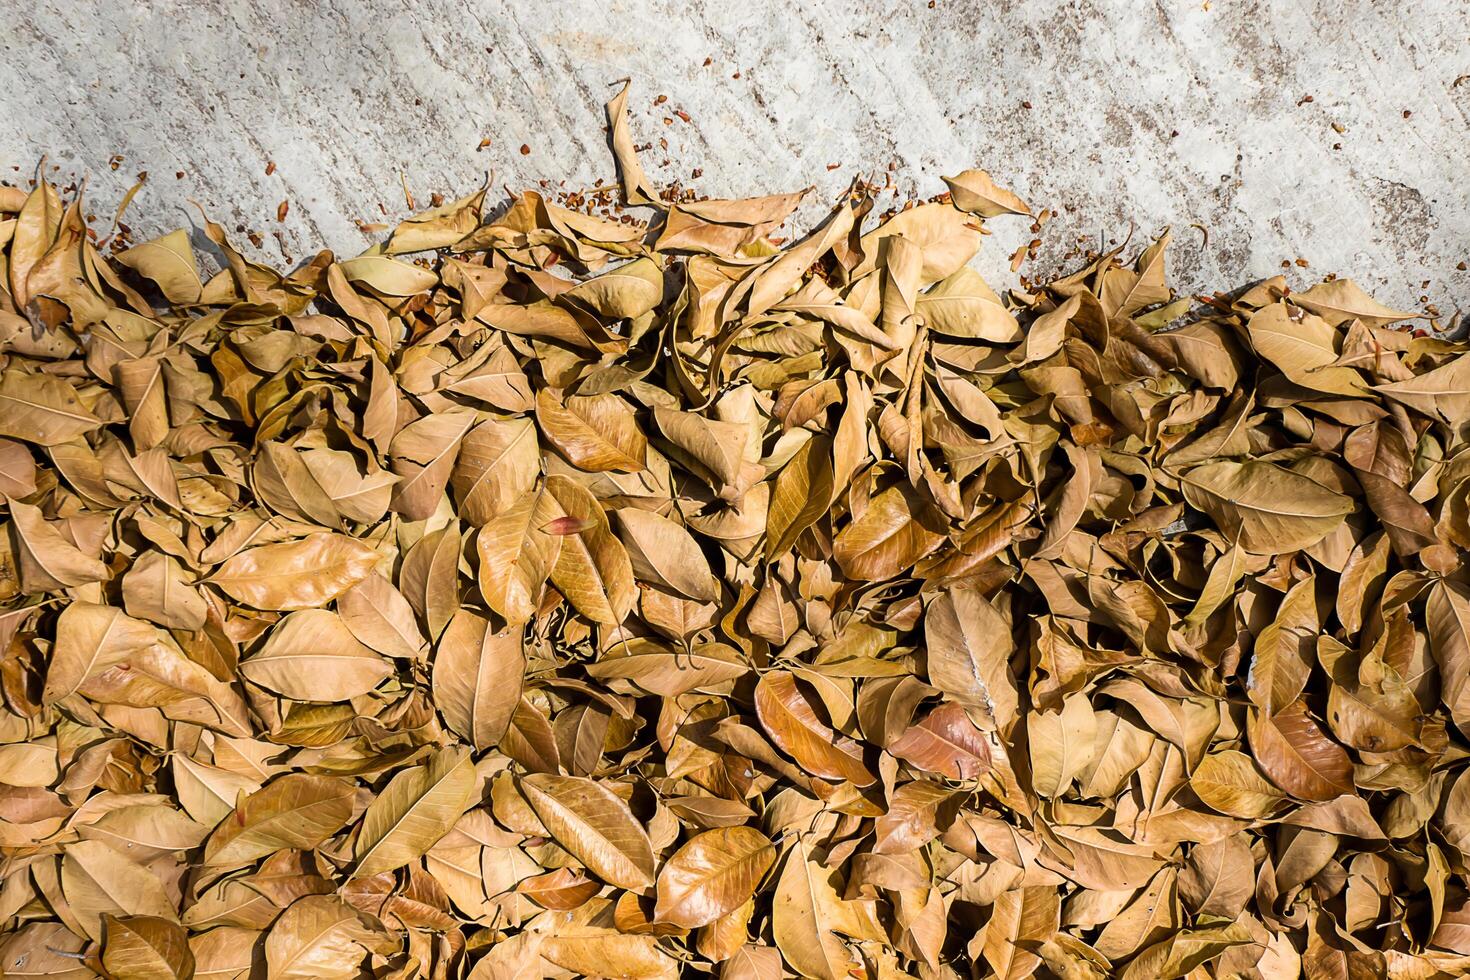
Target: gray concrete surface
[(1150, 112)]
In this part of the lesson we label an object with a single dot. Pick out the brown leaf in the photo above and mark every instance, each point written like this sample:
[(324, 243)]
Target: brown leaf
[(962, 305), (969, 650), (303, 574), (595, 826), (1270, 510), (1218, 879), (157, 589), (109, 657), (423, 455), (1282, 658), (297, 810), (47, 559), (146, 948), (1447, 616), (886, 540), (1229, 782), (594, 432), (415, 809), (636, 189), (712, 875), (380, 617), (477, 678), (664, 553), (517, 553), (808, 914), (975, 192), (593, 569), (792, 723), (802, 494), (1298, 757), (945, 742), (1442, 393), (429, 577), (44, 949), (97, 881), (1342, 299), (917, 813), (318, 937), (497, 465), (169, 262), (311, 655), (752, 962), (1021, 920)]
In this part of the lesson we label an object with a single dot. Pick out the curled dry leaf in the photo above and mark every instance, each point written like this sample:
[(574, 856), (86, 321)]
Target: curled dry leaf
[(975, 192), (684, 590)]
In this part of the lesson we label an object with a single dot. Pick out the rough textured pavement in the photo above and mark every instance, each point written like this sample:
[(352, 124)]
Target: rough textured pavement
[(1170, 112)]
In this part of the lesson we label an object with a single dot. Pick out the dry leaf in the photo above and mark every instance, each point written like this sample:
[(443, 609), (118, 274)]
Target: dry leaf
[(415, 809), (712, 875), (302, 574), (594, 825)]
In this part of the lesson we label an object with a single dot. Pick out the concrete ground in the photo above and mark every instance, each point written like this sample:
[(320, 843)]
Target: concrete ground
[(1326, 130)]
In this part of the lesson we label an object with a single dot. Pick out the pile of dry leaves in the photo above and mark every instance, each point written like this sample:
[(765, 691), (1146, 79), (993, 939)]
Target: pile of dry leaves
[(619, 598)]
